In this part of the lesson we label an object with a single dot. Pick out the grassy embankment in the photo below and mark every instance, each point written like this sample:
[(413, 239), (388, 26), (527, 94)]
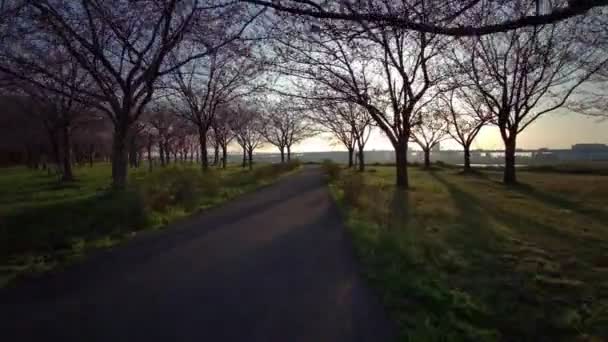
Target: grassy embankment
[(464, 258), (45, 224)]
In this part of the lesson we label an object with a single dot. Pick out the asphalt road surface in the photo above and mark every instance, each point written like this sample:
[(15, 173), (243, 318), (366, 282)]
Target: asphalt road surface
[(274, 265)]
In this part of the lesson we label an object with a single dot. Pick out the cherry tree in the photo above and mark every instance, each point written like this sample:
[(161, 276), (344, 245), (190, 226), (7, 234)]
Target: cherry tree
[(124, 46), (524, 74), (224, 130), (429, 132), (56, 102), (284, 126), (465, 116), (248, 127), (204, 86), (391, 73), (349, 123)]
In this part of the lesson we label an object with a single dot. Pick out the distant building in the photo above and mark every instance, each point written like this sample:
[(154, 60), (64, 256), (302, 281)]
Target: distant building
[(590, 148), (436, 148)]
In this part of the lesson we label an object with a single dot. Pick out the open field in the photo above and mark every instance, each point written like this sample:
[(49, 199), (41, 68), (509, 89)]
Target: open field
[(45, 224), (463, 258)]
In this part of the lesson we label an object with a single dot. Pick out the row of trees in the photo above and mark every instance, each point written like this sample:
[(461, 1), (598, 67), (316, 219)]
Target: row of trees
[(418, 86), (111, 56), (175, 71), (166, 132), (162, 135)]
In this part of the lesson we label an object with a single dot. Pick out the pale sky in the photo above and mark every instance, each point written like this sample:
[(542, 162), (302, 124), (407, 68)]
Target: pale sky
[(555, 130)]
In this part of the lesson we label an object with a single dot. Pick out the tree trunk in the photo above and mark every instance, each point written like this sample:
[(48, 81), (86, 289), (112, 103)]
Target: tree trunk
[(250, 153), (401, 164), (244, 157), (224, 156), (350, 157), (167, 153), (467, 158), (216, 154), (35, 158), (361, 159), (68, 176), (91, 154), (161, 154), (132, 152), (288, 153), (509, 175), (119, 157), (29, 157), (282, 149), (150, 156), (55, 149), (202, 139), (427, 158)]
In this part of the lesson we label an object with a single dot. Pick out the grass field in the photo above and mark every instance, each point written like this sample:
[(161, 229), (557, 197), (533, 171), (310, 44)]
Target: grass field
[(463, 258), (45, 224)]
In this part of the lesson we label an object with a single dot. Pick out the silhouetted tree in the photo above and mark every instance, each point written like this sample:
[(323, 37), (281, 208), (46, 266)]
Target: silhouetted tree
[(124, 46), (388, 72), (524, 74), (248, 127), (284, 126), (56, 101), (465, 114), (429, 132), (224, 130), (348, 123), (204, 86)]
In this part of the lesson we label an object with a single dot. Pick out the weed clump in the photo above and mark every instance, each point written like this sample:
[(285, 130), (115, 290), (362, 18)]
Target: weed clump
[(331, 169), (176, 187)]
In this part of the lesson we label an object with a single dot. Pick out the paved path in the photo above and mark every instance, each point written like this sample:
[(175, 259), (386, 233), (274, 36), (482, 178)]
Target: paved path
[(274, 265)]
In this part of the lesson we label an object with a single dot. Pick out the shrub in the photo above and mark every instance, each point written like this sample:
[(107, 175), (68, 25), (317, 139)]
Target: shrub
[(274, 170), (127, 209), (294, 164), (331, 169), (354, 187), (178, 187)]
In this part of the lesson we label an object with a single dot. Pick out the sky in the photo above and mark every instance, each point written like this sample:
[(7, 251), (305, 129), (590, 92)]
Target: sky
[(555, 130)]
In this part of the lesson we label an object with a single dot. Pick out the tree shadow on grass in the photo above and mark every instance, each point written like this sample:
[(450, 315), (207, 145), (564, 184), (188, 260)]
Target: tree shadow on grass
[(400, 211), (49, 228), (475, 232), (496, 280), (476, 214), (557, 201)]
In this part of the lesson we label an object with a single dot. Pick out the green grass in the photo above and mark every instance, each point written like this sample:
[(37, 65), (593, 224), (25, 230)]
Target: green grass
[(45, 224), (464, 258)]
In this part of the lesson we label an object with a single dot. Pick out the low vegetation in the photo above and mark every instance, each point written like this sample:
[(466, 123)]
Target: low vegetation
[(465, 258), (45, 224), (331, 169)]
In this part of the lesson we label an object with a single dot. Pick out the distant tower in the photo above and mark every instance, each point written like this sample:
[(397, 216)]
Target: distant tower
[(436, 148)]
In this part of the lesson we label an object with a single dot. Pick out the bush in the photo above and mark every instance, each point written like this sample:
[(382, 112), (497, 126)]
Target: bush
[(331, 169), (127, 208), (275, 170), (178, 187), (354, 187), (294, 164)]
